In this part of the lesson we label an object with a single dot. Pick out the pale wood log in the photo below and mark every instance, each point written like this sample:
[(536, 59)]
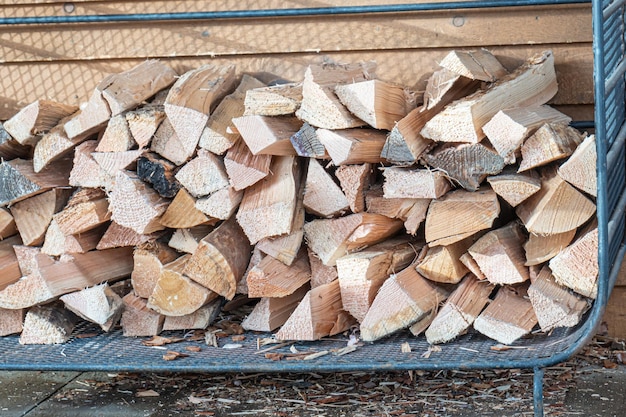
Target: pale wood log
[(203, 175), (86, 209), (190, 101), (256, 257), (378, 103), (353, 146), (98, 304), (268, 135), (216, 136), (221, 204), (117, 236), (416, 215), (33, 215), (147, 261), (576, 266), (56, 243), (322, 196), (139, 320), (361, 274), (320, 274), (92, 117), (275, 198), (443, 86), (243, 168), (354, 180), (533, 83), (460, 214), (113, 162), (27, 126), (555, 306), (443, 263), (580, 168), (135, 205), (551, 142), (410, 210), (10, 270), (221, 259), (116, 136), (166, 143), (514, 188), (160, 173), (500, 255), (183, 213), (10, 148), (542, 248), (320, 105), (307, 144), (275, 100), (466, 164), (542, 213), (460, 310), (272, 278), (422, 324), (7, 224), (143, 122), (186, 240), (86, 172), (47, 325), (403, 182), (11, 321), (479, 64), (331, 239), (509, 128), (319, 314), (53, 146), (18, 180), (471, 265), (403, 299), (509, 317), (26, 258), (199, 319), (175, 294), (271, 313)]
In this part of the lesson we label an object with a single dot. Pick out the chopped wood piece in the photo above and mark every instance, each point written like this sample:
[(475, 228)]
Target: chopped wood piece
[(550, 142), (500, 255), (47, 325), (139, 320), (322, 196), (275, 198), (508, 129), (10, 270), (353, 146), (467, 164), (410, 210), (143, 123), (307, 144), (159, 173), (26, 257), (414, 183), (275, 100), (221, 204), (18, 180), (147, 262), (331, 239), (113, 162), (576, 266), (376, 102), (271, 313), (117, 136), (190, 101), (443, 87), (135, 205), (268, 135), (186, 240), (354, 180), (554, 305), (221, 259), (183, 213), (87, 209), (117, 236), (532, 84), (422, 324), (469, 262), (86, 172), (403, 299), (320, 105), (542, 248), (361, 274), (10, 148), (243, 168), (509, 317), (320, 274), (255, 258), (460, 310), (167, 144), (443, 264), (35, 119), (199, 319), (92, 116), (475, 65), (203, 175), (98, 304), (175, 294), (11, 321), (514, 188), (319, 314), (543, 212), (7, 224), (216, 136), (471, 211), (56, 243), (33, 215), (580, 168), (272, 278)]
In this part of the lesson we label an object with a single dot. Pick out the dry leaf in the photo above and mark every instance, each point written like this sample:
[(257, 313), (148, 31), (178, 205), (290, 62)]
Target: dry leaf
[(238, 338), (147, 393), (161, 341), (172, 355), (193, 348)]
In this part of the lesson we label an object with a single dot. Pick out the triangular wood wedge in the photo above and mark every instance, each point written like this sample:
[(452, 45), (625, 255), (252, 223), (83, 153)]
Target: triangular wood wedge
[(243, 168), (275, 100), (47, 325), (550, 142), (35, 119), (98, 304), (414, 183), (353, 146), (271, 313), (18, 180), (138, 320), (580, 168), (33, 215), (322, 196), (147, 262), (514, 188), (542, 248), (272, 278)]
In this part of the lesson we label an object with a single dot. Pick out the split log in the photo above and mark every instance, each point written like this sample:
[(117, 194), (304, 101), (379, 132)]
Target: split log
[(354, 180), (243, 168), (10, 148), (460, 310), (475, 65), (46, 325), (500, 255), (7, 224), (147, 262), (411, 211), (183, 213), (186, 240), (35, 119), (143, 122), (403, 182), (199, 319), (56, 243), (33, 215), (320, 274), (361, 274), (542, 213), (580, 168), (159, 173), (403, 299), (272, 278), (271, 313), (255, 258), (549, 143), (532, 84), (166, 143), (98, 304), (86, 209), (471, 265), (139, 320), (117, 236), (221, 259), (353, 146), (116, 136), (322, 196), (443, 263), (91, 118), (86, 172), (18, 180), (514, 188), (221, 204), (542, 248), (114, 162), (331, 239), (319, 314), (11, 321), (471, 211), (275, 100), (203, 175), (554, 305), (268, 135), (10, 270), (307, 144)]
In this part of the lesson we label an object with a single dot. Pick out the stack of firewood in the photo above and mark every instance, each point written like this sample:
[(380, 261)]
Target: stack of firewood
[(338, 201)]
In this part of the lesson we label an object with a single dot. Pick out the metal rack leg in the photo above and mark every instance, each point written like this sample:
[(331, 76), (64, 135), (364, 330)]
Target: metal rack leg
[(538, 391)]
